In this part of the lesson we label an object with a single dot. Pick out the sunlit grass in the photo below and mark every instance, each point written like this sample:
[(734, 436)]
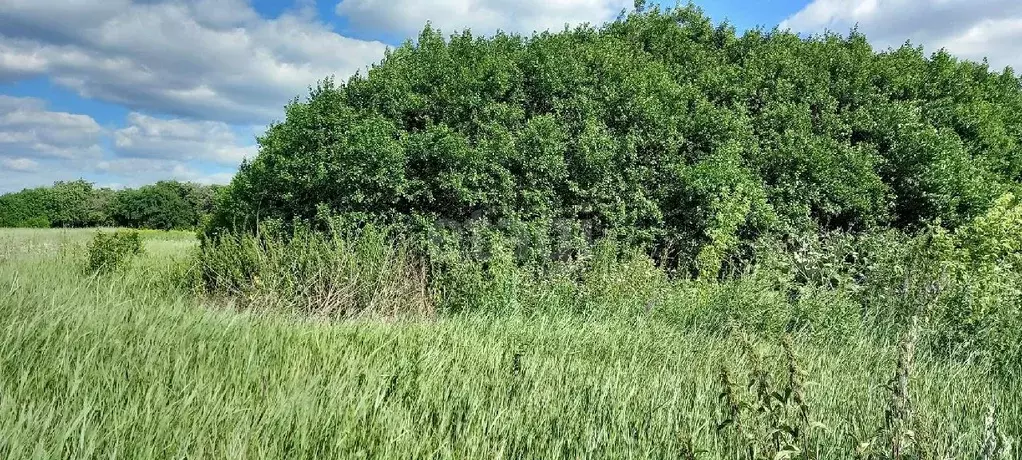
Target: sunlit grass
[(132, 366)]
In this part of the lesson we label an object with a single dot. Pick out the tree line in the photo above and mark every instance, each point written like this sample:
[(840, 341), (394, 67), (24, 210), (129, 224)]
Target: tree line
[(165, 205)]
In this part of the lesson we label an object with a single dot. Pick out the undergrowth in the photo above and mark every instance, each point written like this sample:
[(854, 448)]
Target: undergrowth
[(963, 285)]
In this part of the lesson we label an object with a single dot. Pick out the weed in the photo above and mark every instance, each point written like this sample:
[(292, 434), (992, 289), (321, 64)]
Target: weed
[(108, 252), (769, 421)]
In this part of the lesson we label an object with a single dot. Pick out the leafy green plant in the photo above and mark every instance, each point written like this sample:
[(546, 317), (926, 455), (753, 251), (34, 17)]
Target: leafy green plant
[(995, 237), (687, 140), (901, 436), (111, 251), (767, 420)]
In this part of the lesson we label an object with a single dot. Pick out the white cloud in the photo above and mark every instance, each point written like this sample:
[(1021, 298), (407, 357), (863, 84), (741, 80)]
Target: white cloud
[(147, 136), (482, 16), (27, 129), (39, 146), (140, 171), (19, 164), (204, 59), (972, 29), (223, 178)]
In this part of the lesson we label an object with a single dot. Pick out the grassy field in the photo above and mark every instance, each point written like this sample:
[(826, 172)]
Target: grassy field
[(131, 365)]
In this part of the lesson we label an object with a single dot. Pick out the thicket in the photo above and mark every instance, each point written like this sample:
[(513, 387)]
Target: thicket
[(778, 182), (109, 252), (165, 205), (671, 133)]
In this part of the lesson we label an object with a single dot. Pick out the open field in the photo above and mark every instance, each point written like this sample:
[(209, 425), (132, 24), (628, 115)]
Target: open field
[(131, 365), (661, 236)]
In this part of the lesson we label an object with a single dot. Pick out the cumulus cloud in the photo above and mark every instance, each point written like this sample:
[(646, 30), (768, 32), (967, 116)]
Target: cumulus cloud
[(19, 164), (147, 136), (972, 29), (39, 146), (482, 16), (204, 59), (134, 172), (29, 130)]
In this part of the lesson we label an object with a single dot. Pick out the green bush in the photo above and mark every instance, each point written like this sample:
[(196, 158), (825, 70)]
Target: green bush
[(996, 236), (28, 208), (676, 134), (656, 166), (109, 252), (34, 222), (966, 285), (979, 303)]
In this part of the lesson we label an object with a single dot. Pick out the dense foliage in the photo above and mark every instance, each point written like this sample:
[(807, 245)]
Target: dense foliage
[(109, 252), (163, 206), (676, 133)]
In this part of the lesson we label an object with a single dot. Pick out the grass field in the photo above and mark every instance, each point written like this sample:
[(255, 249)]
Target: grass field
[(131, 365)]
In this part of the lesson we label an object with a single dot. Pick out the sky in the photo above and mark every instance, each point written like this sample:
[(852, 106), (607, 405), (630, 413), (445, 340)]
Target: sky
[(128, 92)]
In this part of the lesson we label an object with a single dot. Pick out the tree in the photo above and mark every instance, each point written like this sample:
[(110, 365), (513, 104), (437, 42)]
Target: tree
[(75, 204), (162, 206), (660, 126), (28, 208), (165, 205)]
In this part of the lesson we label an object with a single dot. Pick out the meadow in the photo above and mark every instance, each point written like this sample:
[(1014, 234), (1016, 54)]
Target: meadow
[(136, 365), (652, 238)]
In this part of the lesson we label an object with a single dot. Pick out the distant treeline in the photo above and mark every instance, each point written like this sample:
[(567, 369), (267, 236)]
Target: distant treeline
[(164, 205)]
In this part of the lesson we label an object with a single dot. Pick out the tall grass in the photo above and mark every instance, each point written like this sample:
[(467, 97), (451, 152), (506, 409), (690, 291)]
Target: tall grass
[(314, 273), (132, 365)]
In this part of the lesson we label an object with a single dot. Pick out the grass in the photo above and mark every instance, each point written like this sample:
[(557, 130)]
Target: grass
[(129, 365)]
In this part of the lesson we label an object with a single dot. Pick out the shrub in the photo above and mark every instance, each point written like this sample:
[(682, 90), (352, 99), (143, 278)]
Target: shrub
[(35, 222), (113, 251), (684, 138), (980, 300), (995, 237)]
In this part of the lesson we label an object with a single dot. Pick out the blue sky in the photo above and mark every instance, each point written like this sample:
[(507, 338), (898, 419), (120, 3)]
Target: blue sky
[(127, 92)]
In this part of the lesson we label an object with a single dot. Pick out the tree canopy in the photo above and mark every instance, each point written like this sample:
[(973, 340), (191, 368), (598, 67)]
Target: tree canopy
[(165, 205), (661, 125)]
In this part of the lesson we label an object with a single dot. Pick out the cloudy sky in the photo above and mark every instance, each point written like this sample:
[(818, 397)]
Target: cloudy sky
[(127, 92)]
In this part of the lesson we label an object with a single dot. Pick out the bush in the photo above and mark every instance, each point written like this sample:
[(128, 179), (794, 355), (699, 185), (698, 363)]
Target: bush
[(966, 285), (979, 298), (996, 236), (109, 252), (657, 166), (682, 137)]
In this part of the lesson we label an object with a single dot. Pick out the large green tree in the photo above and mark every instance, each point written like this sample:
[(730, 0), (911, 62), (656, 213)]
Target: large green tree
[(660, 125), (165, 205)]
